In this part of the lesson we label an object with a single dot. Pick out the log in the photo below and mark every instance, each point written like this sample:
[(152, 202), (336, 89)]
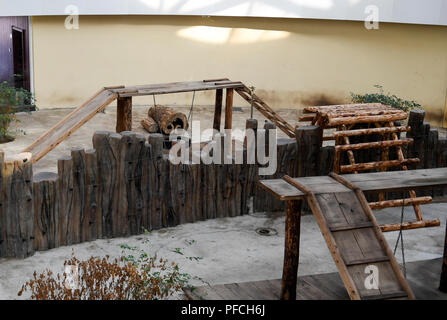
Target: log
[(376, 165), (65, 194), (308, 153), (79, 188), (16, 212), (106, 145), (291, 250), (218, 109), (146, 187), (168, 119), (410, 225), (366, 119), (46, 211), (124, 114), (150, 125), (156, 168), (417, 133), (92, 225), (443, 280), (370, 145), (229, 108), (398, 202), (361, 132)]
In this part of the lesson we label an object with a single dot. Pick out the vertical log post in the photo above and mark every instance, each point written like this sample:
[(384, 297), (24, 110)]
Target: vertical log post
[(229, 108), (218, 109), (443, 282), (16, 211), (46, 211), (155, 141), (309, 141), (124, 114), (291, 250), (79, 188), (417, 132), (65, 190), (92, 226)]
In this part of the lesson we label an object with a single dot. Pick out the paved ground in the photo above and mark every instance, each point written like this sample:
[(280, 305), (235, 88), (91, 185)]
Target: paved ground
[(230, 249)]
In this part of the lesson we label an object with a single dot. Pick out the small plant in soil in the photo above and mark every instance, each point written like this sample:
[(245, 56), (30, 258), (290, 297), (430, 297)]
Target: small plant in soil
[(385, 98), (10, 99)]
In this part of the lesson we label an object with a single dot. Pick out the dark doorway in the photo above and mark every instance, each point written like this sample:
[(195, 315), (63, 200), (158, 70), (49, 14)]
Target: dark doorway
[(19, 60)]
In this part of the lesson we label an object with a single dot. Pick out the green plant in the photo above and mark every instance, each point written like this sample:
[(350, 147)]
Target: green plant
[(10, 97), (384, 98)]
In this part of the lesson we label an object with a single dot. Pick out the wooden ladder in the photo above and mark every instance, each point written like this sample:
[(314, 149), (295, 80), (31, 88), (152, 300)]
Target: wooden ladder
[(361, 253), (266, 111)]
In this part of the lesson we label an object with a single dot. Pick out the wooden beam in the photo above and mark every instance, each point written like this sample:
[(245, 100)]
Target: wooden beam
[(124, 114), (229, 108), (367, 119), (376, 144), (218, 109), (361, 132), (410, 225), (398, 202), (377, 164), (291, 250)]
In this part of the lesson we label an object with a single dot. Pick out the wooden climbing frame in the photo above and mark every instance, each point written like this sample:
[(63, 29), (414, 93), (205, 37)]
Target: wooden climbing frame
[(370, 120), (349, 228)]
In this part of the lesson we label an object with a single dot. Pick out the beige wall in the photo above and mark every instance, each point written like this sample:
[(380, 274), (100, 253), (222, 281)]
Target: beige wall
[(291, 62)]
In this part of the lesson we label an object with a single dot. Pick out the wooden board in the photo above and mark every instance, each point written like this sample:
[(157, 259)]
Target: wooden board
[(423, 277), (367, 182), (70, 124)]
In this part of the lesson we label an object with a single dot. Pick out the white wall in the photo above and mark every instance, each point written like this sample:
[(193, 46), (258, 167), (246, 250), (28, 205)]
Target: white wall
[(432, 12)]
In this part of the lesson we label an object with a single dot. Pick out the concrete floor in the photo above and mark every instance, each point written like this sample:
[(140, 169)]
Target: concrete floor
[(230, 249)]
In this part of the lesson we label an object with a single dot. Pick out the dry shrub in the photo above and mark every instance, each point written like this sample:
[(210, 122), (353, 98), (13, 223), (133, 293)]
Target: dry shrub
[(106, 279)]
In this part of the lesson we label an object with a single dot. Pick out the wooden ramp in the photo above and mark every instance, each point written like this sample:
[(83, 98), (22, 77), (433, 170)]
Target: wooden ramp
[(105, 96), (423, 277), (364, 260), (70, 123)]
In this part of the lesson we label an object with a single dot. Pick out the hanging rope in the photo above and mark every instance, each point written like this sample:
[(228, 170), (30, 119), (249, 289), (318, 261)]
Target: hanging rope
[(401, 238), (153, 96), (191, 111)]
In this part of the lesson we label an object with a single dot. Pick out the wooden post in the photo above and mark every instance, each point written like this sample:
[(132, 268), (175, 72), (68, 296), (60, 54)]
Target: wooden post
[(417, 132), (16, 211), (229, 108), (308, 154), (218, 109), (124, 114), (443, 282), (291, 250)]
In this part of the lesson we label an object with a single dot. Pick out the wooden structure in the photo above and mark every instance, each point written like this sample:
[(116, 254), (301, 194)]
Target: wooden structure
[(348, 225), (423, 277), (443, 281), (377, 121), (124, 94)]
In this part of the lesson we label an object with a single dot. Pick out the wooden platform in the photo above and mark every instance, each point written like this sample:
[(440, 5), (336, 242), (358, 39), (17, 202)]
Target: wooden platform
[(423, 277)]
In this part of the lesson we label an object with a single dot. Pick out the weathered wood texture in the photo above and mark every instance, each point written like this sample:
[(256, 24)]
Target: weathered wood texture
[(124, 114), (168, 119), (16, 210), (443, 281), (150, 125)]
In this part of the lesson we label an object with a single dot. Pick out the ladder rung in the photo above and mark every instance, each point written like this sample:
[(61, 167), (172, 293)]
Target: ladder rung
[(377, 164), (410, 225), (360, 132), (390, 295), (399, 202), (336, 228), (367, 119), (376, 144), (367, 260)]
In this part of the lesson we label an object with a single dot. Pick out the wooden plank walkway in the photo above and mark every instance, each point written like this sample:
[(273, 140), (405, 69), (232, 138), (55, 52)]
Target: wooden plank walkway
[(389, 181), (423, 277)]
